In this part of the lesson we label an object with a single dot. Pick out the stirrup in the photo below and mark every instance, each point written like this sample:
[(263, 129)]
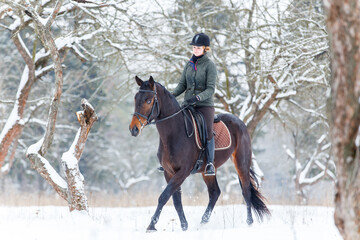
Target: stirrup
[(209, 169)]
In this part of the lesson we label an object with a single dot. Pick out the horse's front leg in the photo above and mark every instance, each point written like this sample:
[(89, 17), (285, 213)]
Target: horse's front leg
[(177, 203), (174, 183)]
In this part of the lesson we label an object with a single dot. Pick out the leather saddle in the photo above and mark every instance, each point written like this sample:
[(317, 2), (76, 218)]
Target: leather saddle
[(196, 120), (220, 130)]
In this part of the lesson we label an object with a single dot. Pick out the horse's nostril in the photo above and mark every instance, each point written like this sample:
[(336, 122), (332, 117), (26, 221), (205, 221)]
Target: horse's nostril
[(134, 131)]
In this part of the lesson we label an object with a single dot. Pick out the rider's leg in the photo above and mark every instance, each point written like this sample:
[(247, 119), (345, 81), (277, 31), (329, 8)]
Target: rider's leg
[(209, 113)]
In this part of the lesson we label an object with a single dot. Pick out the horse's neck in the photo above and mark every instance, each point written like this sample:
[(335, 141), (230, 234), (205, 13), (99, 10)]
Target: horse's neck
[(168, 107), (167, 104)]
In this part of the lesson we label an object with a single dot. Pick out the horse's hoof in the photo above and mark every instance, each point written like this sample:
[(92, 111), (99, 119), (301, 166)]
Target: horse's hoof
[(249, 221), (205, 219), (151, 229), (184, 226)]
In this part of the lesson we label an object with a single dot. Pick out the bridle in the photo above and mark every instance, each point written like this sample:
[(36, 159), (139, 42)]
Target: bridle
[(156, 102), (138, 115)]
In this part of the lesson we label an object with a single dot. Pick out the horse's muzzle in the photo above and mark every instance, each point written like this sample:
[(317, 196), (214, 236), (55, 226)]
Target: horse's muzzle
[(134, 131)]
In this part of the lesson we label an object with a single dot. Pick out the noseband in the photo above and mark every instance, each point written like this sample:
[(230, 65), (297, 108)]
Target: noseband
[(153, 121)]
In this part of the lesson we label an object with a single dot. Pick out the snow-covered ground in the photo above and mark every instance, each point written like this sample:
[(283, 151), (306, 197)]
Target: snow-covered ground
[(227, 222)]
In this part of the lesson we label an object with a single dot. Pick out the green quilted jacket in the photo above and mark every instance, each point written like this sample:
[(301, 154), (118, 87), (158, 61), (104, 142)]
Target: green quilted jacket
[(198, 79)]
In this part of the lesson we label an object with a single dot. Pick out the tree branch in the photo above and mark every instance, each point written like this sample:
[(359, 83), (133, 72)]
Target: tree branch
[(77, 199), (14, 123)]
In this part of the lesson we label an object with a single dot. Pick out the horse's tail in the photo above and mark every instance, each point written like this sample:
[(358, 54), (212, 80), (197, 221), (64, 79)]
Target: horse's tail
[(257, 199)]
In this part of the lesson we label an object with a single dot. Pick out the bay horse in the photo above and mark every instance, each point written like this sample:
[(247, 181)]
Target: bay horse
[(178, 153)]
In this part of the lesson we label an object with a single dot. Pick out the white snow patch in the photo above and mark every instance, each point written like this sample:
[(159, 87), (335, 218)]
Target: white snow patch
[(290, 153), (5, 168), (11, 121), (52, 173), (321, 139), (226, 222), (14, 116), (34, 148), (69, 156)]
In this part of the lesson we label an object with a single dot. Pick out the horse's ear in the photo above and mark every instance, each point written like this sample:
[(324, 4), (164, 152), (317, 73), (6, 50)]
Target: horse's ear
[(138, 81), (152, 82)]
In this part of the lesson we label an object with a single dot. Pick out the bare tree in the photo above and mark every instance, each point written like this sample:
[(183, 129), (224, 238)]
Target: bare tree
[(310, 167), (344, 106), (73, 189), (35, 19)]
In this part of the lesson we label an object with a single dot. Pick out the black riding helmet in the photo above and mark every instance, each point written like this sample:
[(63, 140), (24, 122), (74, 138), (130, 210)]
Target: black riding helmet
[(200, 39)]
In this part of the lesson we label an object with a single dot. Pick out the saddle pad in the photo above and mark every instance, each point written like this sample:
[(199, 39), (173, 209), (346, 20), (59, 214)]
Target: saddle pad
[(221, 135)]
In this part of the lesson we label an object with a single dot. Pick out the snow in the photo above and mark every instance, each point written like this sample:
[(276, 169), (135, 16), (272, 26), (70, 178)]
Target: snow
[(14, 116), (131, 181), (290, 153), (43, 20), (56, 178), (5, 168), (226, 222), (69, 156), (24, 77), (35, 148), (304, 180), (11, 121)]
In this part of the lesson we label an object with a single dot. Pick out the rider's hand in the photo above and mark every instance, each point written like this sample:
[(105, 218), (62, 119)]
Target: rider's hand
[(193, 100)]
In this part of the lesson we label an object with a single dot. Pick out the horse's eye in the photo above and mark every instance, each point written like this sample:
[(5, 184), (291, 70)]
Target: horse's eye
[(148, 101)]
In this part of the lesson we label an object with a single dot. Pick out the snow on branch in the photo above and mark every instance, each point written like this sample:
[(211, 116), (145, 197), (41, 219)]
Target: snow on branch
[(71, 189), (314, 170), (77, 198), (132, 181), (315, 113), (15, 122), (44, 168)]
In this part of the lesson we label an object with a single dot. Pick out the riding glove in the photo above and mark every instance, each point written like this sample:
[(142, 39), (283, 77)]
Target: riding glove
[(193, 100)]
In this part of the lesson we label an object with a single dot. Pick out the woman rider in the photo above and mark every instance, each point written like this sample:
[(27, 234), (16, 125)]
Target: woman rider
[(198, 81)]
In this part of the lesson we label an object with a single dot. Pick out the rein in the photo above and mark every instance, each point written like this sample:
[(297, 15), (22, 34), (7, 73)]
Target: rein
[(153, 121)]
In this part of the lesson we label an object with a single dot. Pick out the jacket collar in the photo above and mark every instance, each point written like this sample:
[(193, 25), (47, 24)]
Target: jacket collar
[(199, 60)]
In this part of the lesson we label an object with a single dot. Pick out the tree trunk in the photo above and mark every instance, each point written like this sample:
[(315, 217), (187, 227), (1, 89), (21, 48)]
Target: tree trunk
[(77, 199), (72, 190), (343, 21), (14, 125)]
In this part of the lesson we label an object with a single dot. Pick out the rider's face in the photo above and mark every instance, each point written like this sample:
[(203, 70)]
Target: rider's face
[(198, 50)]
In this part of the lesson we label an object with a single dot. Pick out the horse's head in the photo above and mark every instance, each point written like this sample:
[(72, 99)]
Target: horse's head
[(146, 106)]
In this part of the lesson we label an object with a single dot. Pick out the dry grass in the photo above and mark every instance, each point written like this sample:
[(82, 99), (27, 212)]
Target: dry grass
[(140, 199), (15, 198)]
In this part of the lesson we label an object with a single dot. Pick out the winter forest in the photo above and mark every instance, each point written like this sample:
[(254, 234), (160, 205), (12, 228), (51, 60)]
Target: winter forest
[(288, 69)]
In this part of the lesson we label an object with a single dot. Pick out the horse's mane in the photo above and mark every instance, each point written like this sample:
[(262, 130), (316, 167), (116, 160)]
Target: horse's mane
[(167, 93), (162, 89)]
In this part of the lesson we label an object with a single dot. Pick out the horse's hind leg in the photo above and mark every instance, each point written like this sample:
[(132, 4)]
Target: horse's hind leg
[(242, 165), (214, 193), (178, 205), (246, 191)]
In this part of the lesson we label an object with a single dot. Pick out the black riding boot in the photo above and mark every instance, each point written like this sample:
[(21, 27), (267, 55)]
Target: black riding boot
[(210, 151)]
